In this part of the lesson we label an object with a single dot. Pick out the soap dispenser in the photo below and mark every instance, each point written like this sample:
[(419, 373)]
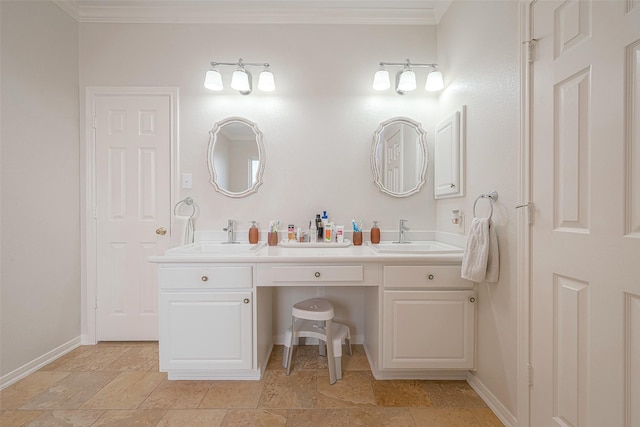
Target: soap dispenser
[(375, 233), (253, 233)]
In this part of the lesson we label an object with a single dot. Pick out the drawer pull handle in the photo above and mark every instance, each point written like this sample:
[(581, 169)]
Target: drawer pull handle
[(317, 274), (246, 300), (472, 299), (205, 278), (430, 277)]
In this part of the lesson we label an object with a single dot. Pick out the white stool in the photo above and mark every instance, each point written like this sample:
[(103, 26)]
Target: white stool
[(304, 316), (308, 329)]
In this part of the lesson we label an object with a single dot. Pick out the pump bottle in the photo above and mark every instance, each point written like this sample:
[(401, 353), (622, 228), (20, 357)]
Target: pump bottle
[(375, 233)]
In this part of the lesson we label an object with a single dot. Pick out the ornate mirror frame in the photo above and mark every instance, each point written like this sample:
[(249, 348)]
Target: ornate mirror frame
[(213, 139)]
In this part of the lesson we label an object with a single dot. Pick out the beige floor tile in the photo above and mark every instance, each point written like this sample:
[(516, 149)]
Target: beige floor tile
[(193, 418), (11, 418), (64, 418), (64, 359), (307, 358), (71, 392), (295, 391), (130, 418), (19, 393), (318, 418), (353, 390), (127, 391), (89, 358), (255, 418), (453, 394), (136, 359), (357, 361), (275, 359), (441, 417), (381, 417), (233, 394), (401, 393), (486, 417), (177, 395)]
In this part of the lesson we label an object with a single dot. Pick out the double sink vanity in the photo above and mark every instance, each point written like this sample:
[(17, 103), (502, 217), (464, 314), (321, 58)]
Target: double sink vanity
[(217, 304), (222, 307)]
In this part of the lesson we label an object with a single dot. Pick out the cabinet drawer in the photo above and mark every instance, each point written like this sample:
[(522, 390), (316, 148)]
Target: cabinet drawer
[(206, 277), (424, 276), (286, 275)]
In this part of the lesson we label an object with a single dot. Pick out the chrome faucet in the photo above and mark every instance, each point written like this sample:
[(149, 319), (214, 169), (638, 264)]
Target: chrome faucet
[(229, 230), (403, 228)]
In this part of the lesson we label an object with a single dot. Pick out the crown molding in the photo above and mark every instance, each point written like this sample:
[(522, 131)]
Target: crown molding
[(380, 12)]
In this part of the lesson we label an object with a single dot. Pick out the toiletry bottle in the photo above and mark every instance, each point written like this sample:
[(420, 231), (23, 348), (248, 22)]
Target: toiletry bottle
[(253, 233), (328, 232), (319, 228), (375, 233), (291, 232), (313, 233)]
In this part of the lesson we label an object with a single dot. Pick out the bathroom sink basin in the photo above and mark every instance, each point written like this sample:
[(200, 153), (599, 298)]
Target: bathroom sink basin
[(217, 248), (421, 247)]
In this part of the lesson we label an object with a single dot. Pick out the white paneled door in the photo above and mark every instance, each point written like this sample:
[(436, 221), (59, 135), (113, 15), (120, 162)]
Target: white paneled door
[(585, 330), (132, 180)]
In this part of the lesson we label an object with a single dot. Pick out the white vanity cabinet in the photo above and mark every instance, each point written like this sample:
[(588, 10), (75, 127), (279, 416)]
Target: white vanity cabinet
[(206, 320), (428, 318)]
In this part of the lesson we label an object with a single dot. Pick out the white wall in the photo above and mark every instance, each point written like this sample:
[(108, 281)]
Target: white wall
[(479, 53), (40, 189), (318, 124)]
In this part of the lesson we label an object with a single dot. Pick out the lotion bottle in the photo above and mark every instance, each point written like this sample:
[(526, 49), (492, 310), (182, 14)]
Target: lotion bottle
[(253, 233), (375, 233)]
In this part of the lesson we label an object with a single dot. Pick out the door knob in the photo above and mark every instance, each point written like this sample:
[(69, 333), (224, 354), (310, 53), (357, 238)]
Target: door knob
[(161, 231)]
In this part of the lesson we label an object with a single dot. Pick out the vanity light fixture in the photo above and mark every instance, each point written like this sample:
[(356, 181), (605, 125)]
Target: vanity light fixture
[(406, 78), (241, 79)]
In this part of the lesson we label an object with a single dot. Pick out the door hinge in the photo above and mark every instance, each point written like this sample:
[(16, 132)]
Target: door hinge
[(96, 303), (531, 50), (94, 122), (530, 374)]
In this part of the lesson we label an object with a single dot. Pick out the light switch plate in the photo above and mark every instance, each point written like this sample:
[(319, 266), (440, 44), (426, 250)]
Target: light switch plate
[(187, 180)]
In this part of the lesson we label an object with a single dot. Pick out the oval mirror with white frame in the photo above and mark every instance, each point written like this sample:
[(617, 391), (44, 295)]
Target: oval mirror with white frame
[(236, 157), (399, 156)]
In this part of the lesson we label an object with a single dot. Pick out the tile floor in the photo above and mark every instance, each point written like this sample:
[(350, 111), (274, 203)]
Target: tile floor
[(118, 384)]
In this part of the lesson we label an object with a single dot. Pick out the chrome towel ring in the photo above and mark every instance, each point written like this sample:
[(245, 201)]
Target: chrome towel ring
[(189, 202), (491, 196)]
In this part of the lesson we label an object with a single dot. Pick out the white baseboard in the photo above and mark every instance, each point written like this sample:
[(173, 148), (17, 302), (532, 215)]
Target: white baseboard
[(492, 401), (34, 365)]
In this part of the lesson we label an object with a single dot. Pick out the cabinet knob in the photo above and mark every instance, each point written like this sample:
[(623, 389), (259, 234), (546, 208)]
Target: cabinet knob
[(317, 274), (246, 300), (431, 277), (205, 278), (161, 231), (472, 299)]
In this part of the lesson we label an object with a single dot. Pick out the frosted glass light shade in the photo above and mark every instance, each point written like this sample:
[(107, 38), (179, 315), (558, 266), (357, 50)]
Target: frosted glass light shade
[(266, 82), (434, 81), (381, 80), (407, 81), (213, 80), (240, 81)]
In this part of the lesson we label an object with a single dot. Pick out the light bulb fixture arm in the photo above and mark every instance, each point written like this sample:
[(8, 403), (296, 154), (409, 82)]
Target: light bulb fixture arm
[(240, 63), (409, 64)]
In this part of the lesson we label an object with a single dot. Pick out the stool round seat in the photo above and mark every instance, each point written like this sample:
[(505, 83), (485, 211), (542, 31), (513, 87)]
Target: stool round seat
[(313, 309)]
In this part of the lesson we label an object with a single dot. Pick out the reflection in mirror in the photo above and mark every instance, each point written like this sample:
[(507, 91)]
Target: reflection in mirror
[(399, 157), (236, 157)]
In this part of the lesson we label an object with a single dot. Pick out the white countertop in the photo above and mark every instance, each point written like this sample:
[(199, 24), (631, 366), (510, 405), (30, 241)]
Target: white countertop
[(262, 253)]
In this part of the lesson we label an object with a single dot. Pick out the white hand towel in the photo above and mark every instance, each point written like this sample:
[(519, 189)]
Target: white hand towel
[(474, 261), (182, 231), (493, 260)]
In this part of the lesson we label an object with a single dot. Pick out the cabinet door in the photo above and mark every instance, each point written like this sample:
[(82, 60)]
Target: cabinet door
[(448, 158), (206, 330), (428, 329)]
